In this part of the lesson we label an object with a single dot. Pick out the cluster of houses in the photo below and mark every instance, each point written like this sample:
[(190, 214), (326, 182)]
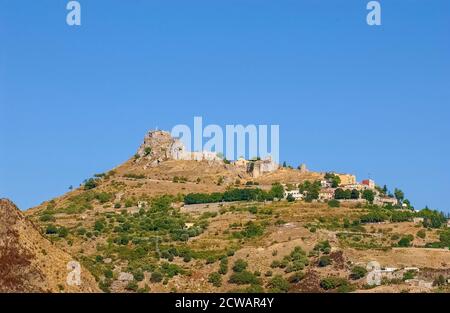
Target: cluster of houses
[(348, 182)]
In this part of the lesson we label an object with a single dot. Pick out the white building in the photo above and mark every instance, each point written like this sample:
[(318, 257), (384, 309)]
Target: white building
[(326, 194), (296, 194)]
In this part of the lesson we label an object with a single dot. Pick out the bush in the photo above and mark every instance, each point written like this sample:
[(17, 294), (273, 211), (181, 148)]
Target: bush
[(324, 261), (156, 277), (47, 218), (405, 241), (108, 273), (132, 285), (223, 267), (138, 275), (296, 277), (409, 275), (51, 229), (63, 232), (278, 284), (240, 265), (91, 183), (244, 278), (333, 283), (334, 203), (358, 272), (421, 234), (215, 279)]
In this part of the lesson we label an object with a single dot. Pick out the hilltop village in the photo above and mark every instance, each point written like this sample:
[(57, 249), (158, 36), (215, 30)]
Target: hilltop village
[(159, 146)]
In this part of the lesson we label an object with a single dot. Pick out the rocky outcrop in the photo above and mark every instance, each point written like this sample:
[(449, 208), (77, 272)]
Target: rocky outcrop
[(31, 263), (160, 146)]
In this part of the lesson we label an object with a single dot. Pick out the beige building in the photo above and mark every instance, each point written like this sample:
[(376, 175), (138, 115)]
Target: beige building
[(347, 179), (326, 194), (260, 167)]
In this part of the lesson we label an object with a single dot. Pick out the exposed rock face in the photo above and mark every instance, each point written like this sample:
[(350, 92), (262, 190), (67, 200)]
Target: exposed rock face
[(160, 146), (29, 262), (260, 167)]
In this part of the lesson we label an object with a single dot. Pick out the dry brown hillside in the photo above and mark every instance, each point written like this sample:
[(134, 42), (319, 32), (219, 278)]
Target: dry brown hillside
[(28, 261)]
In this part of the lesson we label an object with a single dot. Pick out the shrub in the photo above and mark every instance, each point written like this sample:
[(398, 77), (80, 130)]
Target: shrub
[(108, 273), (138, 275), (240, 265), (296, 277), (405, 241), (51, 229), (81, 231), (223, 267), (421, 234), (243, 278), (358, 272), (323, 246), (47, 218), (132, 285), (409, 275), (334, 203), (91, 183), (63, 232), (324, 261), (210, 260), (215, 279), (156, 277), (278, 284), (332, 282), (99, 226)]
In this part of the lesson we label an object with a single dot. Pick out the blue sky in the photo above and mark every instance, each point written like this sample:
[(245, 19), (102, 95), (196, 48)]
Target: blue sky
[(75, 101)]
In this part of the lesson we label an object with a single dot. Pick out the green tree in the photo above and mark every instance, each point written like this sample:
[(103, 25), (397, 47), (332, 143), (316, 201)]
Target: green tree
[(399, 195), (368, 195)]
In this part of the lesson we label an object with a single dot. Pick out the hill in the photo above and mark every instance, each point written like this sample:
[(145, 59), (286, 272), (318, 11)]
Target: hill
[(31, 263), (133, 229)]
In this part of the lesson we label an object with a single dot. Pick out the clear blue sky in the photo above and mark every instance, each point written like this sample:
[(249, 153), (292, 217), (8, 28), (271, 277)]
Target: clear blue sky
[(348, 97)]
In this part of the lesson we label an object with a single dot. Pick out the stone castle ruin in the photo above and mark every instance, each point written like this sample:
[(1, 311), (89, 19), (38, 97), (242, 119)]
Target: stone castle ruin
[(159, 146)]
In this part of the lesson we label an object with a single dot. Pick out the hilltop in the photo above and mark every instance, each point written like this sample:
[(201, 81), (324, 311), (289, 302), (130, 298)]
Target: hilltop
[(172, 220)]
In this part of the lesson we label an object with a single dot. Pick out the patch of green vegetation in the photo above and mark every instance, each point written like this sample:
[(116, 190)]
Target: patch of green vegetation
[(215, 279), (257, 194), (295, 261), (278, 284), (339, 283), (358, 272), (251, 230)]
